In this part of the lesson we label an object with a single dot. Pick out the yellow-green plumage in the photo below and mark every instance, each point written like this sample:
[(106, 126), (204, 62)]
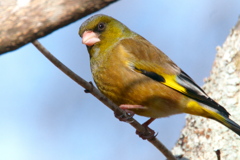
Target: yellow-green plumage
[(130, 70)]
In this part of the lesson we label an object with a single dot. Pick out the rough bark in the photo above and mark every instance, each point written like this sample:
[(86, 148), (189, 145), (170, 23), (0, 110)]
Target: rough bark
[(23, 21), (201, 137)]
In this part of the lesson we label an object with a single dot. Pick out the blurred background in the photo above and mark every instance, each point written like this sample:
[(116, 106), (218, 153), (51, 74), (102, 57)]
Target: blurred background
[(46, 115)]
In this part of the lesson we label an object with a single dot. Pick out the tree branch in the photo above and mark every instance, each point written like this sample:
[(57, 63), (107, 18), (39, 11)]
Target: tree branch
[(23, 21), (95, 92)]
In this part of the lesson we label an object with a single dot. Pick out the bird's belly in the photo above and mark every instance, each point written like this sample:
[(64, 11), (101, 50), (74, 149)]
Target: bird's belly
[(137, 89)]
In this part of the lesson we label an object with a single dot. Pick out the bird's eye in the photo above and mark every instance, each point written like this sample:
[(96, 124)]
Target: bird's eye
[(101, 26)]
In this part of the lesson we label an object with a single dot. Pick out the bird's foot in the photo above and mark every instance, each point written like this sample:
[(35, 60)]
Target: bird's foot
[(130, 114), (148, 133), (125, 118)]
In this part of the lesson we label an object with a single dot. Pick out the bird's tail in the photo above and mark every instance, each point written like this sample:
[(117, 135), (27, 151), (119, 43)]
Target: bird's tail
[(228, 123), (220, 115)]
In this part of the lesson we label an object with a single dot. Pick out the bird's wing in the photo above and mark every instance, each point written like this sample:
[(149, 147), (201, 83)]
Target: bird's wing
[(149, 62), (181, 83)]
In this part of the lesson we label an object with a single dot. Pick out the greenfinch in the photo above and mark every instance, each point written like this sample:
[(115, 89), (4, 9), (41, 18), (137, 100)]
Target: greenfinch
[(139, 77)]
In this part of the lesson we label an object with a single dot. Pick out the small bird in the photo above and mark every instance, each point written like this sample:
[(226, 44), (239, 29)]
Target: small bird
[(140, 78)]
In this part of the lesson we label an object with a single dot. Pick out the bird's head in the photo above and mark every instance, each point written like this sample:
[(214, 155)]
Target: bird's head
[(102, 32)]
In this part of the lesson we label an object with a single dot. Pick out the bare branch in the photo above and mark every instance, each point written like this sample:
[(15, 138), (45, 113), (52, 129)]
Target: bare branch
[(23, 21), (95, 92)]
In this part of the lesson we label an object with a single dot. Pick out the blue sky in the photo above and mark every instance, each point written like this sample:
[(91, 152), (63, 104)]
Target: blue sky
[(45, 115)]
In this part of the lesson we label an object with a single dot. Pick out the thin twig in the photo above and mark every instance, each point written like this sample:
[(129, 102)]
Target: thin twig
[(95, 92), (218, 153)]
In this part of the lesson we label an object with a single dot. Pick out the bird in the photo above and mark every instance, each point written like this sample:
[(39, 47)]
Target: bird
[(140, 78)]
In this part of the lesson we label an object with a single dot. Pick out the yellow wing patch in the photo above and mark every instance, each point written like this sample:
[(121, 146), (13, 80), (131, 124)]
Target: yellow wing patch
[(157, 73), (170, 81)]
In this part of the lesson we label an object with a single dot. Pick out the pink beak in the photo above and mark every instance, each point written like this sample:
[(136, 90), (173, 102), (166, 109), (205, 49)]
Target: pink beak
[(89, 38)]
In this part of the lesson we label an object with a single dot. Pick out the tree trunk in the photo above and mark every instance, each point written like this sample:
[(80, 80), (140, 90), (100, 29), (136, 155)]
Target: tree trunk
[(201, 137)]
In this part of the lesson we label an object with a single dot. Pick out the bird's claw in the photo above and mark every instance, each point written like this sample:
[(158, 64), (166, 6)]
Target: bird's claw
[(147, 134), (125, 117)]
